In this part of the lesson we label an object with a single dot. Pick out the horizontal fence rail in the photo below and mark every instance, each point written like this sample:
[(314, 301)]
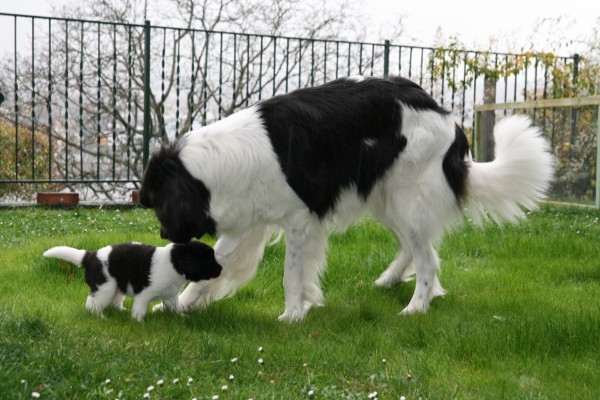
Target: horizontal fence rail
[(86, 101)]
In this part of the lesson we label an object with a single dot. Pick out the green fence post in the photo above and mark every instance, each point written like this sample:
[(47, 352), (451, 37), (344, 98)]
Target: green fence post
[(146, 149), (598, 161), (386, 59)]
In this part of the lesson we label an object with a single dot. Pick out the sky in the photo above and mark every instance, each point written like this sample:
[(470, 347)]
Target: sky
[(508, 26)]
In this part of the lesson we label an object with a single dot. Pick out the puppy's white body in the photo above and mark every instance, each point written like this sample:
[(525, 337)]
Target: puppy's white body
[(149, 274)]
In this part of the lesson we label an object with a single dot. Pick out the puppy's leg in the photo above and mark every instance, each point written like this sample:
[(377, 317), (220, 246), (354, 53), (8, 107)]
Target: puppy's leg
[(118, 301), (306, 248), (102, 297), (140, 305)]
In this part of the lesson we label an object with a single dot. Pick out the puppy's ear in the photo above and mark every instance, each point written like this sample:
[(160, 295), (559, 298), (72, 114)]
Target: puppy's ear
[(196, 261)]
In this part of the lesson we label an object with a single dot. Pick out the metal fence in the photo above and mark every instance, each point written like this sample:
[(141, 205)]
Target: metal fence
[(86, 101)]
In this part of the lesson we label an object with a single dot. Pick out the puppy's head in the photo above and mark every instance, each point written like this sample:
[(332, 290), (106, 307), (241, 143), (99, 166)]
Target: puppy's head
[(181, 202), (195, 260)]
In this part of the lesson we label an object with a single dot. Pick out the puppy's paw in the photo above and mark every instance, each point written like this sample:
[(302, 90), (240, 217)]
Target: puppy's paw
[(160, 307)]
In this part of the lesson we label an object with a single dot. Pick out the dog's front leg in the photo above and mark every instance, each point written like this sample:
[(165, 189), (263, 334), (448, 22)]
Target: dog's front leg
[(306, 247)]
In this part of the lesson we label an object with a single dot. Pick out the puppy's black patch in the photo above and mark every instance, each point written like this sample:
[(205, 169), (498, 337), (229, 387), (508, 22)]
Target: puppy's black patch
[(195, 260)]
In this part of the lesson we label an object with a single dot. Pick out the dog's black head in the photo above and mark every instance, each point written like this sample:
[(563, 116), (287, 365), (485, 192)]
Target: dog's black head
[(181, 202), (195, 260)]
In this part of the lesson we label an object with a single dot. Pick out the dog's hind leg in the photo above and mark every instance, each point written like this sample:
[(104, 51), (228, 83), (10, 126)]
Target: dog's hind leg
[(427, 284), (401, 268), (306, 248)]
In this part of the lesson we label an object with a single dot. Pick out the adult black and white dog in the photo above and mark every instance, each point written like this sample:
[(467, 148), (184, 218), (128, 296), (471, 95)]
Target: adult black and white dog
[(321, 157), (142, 271)]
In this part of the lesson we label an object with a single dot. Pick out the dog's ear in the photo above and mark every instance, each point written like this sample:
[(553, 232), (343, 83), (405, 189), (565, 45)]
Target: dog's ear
[(196, 261)]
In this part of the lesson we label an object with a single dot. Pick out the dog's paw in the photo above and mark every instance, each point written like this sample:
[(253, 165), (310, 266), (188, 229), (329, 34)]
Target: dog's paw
[(385, 282), (414, 309), (293, 315)]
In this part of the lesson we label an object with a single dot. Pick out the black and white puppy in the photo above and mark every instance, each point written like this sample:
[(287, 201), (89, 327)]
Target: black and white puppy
[(142, 271), (322, 157)]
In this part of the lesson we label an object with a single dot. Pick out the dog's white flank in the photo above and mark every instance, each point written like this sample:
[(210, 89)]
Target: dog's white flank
[(144, 272), (320, 158)]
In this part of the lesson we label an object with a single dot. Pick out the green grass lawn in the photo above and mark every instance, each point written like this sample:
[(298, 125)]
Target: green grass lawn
[(521, 319)]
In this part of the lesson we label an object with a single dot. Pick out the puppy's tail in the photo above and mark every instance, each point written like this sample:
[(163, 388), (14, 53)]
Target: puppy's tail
[(66, 253), (519, 176)]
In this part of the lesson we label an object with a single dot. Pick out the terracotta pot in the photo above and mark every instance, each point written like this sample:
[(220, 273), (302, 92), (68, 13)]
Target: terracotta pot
[(58, 199)]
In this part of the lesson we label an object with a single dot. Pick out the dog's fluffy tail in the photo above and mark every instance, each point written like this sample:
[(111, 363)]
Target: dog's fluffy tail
[(519, 176), (66, 253)]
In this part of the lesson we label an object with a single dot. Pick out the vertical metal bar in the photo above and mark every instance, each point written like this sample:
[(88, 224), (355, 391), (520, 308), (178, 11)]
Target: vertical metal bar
[(300, 63), (204, 79), (260, 69), (32, 99), (147, 133), (535, 78), (474, 128), (443, 77), (81, 100), (526, 71), (410, 55), (453, 81), (476, 133), (177, 80), (66, 100), (193, 89), (16, 105), (49, 105), (234, 70), (337, 59), (360, 59), (325, 62), (114, 105), (421, 68), (505, 80), (312, 63), (576, 88), (163, 130), (400, 60), (464, 89), (274, 65), (372, 60), (129, 84), (386, 59), (220, 100), (515, 73), (349, 55), (98, 120), (247, 69), (287, 64), (598, 159), (544, 93)]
